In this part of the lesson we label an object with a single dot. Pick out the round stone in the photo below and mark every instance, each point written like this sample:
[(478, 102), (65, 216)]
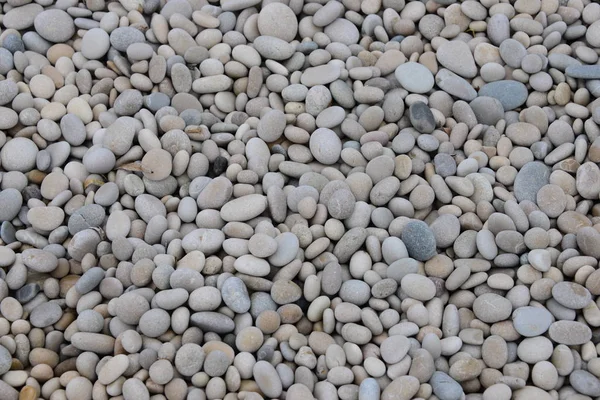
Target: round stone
[(95, 43), (414, 77), (271, 125), (235, 295), (325, 146), (343, 31), (19, 154), (54, 25), (491, 308), (419, 240), (11, 200), (45, 314), (571, 295), (278, 20), (531, 321)]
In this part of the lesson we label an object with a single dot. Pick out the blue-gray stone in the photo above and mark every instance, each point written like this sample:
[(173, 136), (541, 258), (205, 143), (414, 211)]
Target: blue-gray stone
[(369, 390), (27, 292), (6, 61), (7, 232), (530, 179), (5, 360), (419, 240), (455, 85), (307, 47), (261, 301), (593, 85), (532, 321), (583, 71), (540, 150), (488, 110), (421, 117), (89, 216), (562, 61), (445, 164), (585, 383), (511, 94), (11, 200), (8, 91), (156, 101), (235, 295), (13, 43), (191, 116), (89, 280), (444, 387)]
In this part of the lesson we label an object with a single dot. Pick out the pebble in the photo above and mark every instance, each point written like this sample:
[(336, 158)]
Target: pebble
[(511, 94), (531, 321), (444, 387), (40, 260), (45, 314), (490, 308), (95, 43), (235, 295), (18, 154), (325, 146), (571, 295), (457, 57), (419, 240), (12, 201), (54, 25), (414, 77)]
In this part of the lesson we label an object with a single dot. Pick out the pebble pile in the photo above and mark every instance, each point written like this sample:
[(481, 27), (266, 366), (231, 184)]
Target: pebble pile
[(299, 199)]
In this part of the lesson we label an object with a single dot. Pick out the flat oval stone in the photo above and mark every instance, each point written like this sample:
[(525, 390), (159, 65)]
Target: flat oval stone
[(95, 342), (210, 321), (11, 200), (532, 321), (444, 387), (113, 369), (54, 25), (325, 146), (39, 260), (343, 31), (583, 71), (22, 17), (244, 208), (250, 265), (414, 77), (287, 248), (45, 314), (585, 383), (490, 308), (511, 94), (235, 295), (455, 85), (95, 43), (571, 295), (273, 48), (5, 360), (89, 280), (267, 379), (570, 333), (320, 75), (419, 240)]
